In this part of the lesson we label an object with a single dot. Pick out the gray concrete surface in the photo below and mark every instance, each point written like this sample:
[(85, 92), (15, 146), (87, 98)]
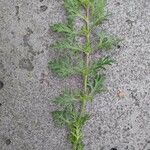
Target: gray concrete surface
[(119, 119)]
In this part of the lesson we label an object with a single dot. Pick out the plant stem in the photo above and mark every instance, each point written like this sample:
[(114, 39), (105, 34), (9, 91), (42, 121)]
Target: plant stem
[(86, 74), (87, 60), (75, 146)]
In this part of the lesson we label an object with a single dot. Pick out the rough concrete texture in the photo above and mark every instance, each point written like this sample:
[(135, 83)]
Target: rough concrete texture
[(120, 119)]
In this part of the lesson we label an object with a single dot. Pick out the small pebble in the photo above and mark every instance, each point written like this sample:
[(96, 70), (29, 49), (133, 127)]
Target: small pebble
[(118, 3), (43, 8), (8, 141), (121, 94), (1, 84), (113, 148), (130, 22), (41, 0), (118, 46)]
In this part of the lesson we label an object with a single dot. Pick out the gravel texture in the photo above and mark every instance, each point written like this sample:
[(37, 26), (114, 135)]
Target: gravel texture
[(120, 118)]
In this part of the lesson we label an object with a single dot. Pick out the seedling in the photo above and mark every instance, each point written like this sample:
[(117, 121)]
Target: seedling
[(77, 61)]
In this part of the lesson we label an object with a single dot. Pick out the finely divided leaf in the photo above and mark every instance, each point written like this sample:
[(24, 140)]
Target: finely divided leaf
[(85, 2), (96, 84), (62, 28), (62, 67), (66, 67), (61, 117), (107, 42), (101, 64), (66, 100), (83, 120), (99, 13), (76, 131), (72, 8), (66, 45)]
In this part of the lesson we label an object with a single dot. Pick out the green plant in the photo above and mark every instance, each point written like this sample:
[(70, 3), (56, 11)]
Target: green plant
[(77, 61)]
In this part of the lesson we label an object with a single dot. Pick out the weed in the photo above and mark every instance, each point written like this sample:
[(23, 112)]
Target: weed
[(77, 61)]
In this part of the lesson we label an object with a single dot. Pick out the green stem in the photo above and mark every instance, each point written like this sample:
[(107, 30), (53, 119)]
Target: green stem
[(87, 61), (86, 74), (75, 146), (82, 108)]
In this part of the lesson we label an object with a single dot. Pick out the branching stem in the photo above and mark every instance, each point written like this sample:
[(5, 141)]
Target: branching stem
[(86, 73), (94, 13)]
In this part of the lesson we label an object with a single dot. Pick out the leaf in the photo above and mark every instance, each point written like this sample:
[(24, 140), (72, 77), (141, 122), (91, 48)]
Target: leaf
[(84, 31), (99, 13), (58, 117), (76, 138), (87, 48), (84, 2), (107, 42), (101, 64), (80, 66), (95, 85), (72, 8), (80, 145), (61, 117), (66, 67), (83, 120), (62, 28), (62, 67), (66, 45), (76, 135), (67, 99)]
